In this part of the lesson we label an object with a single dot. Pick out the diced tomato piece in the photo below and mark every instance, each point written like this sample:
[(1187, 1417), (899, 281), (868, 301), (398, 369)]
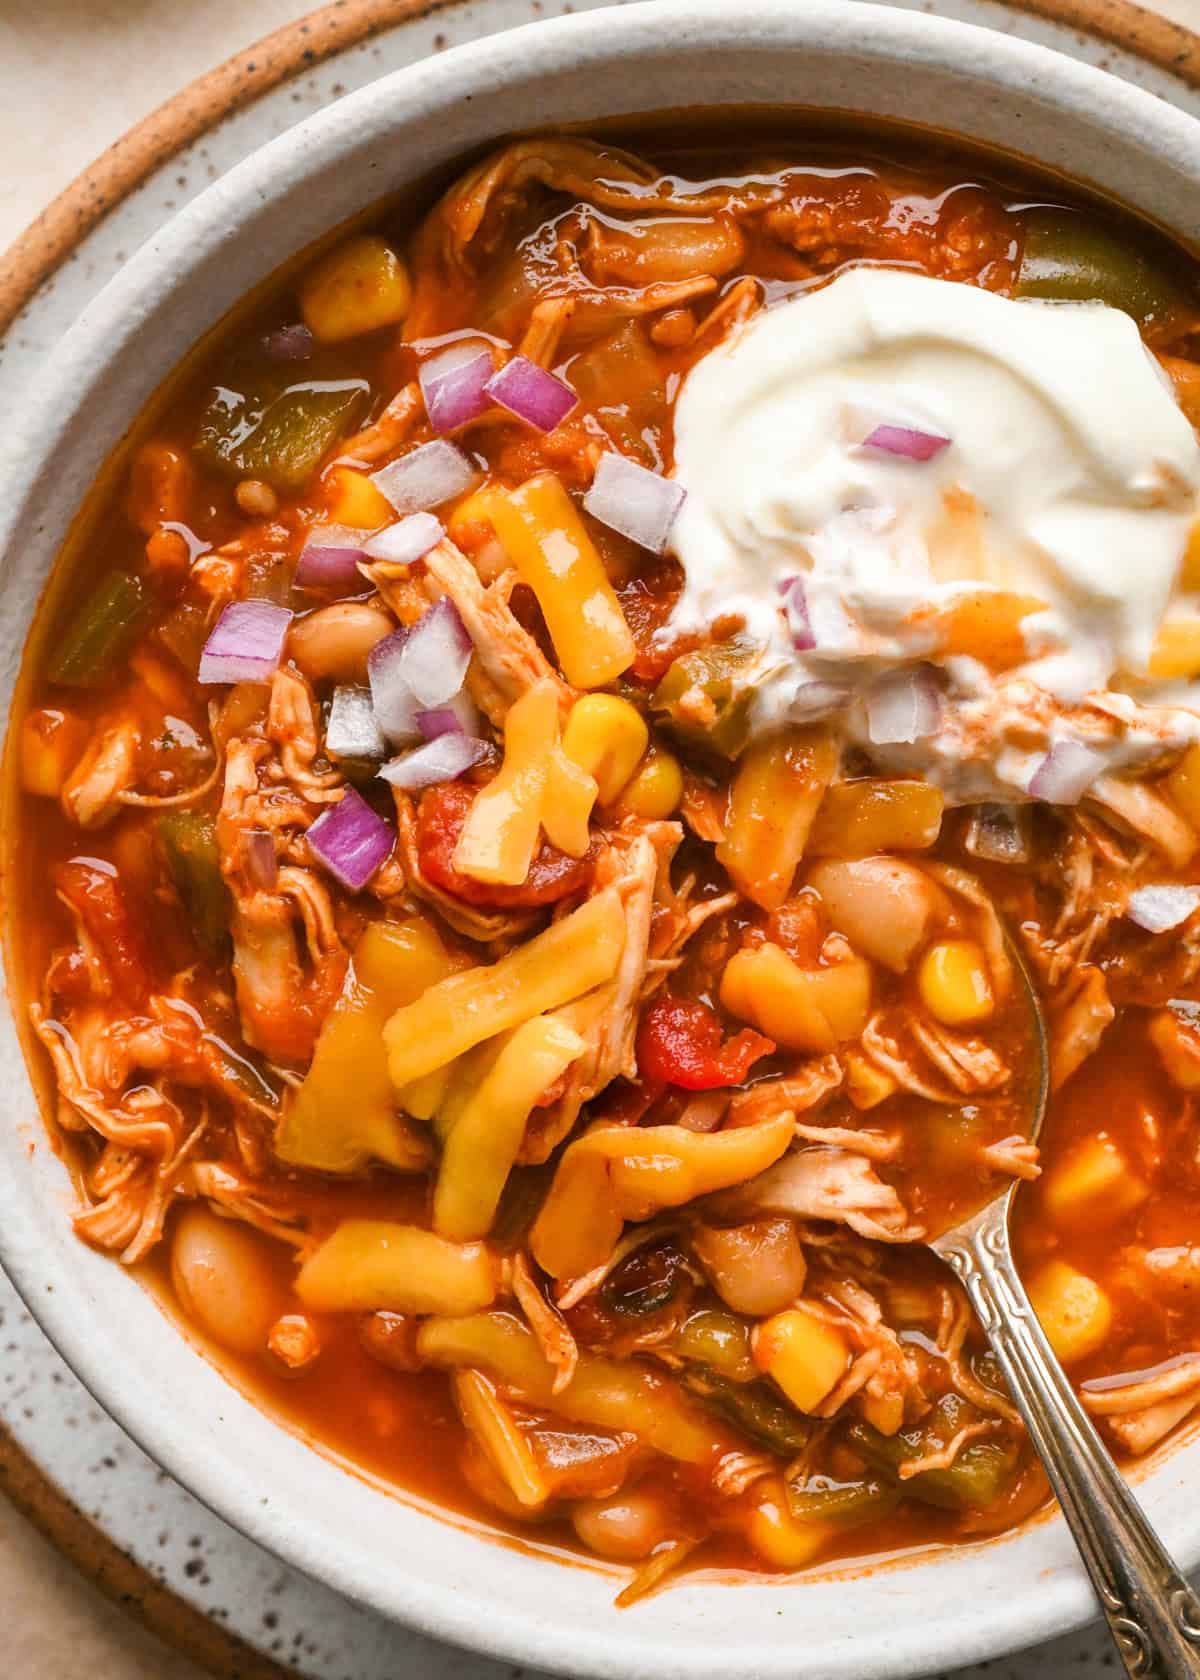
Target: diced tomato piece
[(679, 1043), (440, 818), (93, 890)]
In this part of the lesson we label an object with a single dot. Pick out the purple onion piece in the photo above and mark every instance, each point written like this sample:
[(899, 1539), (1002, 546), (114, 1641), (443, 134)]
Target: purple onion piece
[(330, 560), (245, 644), (1161, 907), (428, 476), (289, 344), (531, 393), (392, 699), (906, 441), (452, 384), (903, 707), (795, 606), (440, 760), (351, 840), (352, 731), (436, 654), (1066, 773), (640, 504), (406, 541)]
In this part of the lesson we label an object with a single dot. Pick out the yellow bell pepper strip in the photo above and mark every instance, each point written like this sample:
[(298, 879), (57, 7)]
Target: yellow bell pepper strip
[(570, 958), (483, 1142), (567, 804), (500, 835), (620, 1394), (619, 1173), (372, 1265), (424, 1097), (344, 1114), (546, 540), (538, 787), (777, 790)]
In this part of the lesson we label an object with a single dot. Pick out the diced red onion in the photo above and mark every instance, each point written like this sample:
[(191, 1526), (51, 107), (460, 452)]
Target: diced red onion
[(258, 855), (795, 605), (427, 476), (815, 700), (436, 654), (245, 644), (999, 834), (1066, 773), (528, 391), (351, 840), (289, 344), (452, 384), (640, 504), (330, 559), (456, 716), (407, 541), (1160, 908), (904, 706), (391, 697), (352, 730), (906, 441), (440, 760)]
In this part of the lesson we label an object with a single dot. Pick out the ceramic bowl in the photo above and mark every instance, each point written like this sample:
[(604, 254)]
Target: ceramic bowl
[(921, 1614)]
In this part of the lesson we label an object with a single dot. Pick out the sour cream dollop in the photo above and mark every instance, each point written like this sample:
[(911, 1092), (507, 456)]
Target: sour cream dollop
[(1070, 476)]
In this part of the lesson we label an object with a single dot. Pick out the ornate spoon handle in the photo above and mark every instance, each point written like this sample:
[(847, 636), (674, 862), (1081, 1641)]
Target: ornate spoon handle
[(1152, 1613)]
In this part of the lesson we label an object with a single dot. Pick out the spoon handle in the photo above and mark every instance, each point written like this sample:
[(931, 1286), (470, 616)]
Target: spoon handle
[(1153, 1614)]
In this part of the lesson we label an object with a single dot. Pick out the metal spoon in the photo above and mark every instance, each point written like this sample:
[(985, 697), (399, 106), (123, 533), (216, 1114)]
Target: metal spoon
[(1152, 1612)]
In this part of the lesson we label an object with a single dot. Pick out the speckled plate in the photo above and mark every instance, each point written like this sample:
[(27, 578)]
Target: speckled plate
[(105, 1504)]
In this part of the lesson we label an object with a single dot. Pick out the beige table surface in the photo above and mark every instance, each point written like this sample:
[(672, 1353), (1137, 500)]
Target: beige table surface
[(129, 55)]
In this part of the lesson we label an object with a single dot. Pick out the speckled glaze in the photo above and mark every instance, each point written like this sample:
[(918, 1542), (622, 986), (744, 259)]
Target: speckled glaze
[(181, 1409)]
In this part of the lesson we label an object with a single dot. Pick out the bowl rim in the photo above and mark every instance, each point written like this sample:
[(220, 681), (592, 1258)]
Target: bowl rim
[(109, 326)]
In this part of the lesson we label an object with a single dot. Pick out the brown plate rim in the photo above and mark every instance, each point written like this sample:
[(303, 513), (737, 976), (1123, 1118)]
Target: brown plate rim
[(33, 257), (51, 237)]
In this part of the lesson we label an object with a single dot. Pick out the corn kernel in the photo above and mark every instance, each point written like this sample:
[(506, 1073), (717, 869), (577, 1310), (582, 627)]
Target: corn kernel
[(1183, 785), (1094, 1179), (776, 1535), (954, 984), (1176, 650), (1075, 1312), (606, 736), (51, 744), (655, 788), (358, 288), (355, 502), (801, 1353), (867, 1085)]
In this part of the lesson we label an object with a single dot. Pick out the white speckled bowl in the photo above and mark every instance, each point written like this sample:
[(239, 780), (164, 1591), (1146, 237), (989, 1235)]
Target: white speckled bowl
[(400, 1558)]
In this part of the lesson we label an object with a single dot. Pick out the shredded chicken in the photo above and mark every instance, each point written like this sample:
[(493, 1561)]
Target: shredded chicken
[(489, 927), (91, 795), (799, 1093), (828, 1184), (1015, 1155), (1081, 1013), (941, 1458), (1140, 808), (547, 1323), (507, 660)]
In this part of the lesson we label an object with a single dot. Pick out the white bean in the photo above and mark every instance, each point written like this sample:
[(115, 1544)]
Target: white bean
[(625, 1526), (334, 642), (224, 1280)]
